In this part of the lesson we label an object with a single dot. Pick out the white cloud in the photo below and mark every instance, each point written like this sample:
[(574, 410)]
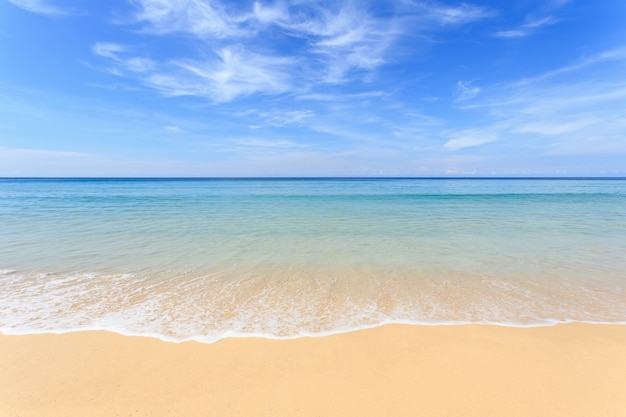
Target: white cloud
[(284, 118), (466, 91), (541, 22), (469, 138), (432, 12), (266, 143), (350, 40), (109, 50), (459, 15), (269, 14), (236, 72), (580, 97), (122, 63), (41, 6), (564, 89), (527, 29), (617, 54), (341, 97), (174, 129), (555, 128), (330, 43), (232, 73), (118, 54), (576, 109), (198, 17)]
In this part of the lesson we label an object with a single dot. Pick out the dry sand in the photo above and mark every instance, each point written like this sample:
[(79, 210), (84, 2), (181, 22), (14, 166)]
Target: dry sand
[(397, 370)]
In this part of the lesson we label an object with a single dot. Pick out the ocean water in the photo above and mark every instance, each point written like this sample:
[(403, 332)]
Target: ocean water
[(205, 259)]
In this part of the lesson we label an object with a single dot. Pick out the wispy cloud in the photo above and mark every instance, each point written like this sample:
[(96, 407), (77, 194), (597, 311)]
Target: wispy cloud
[(241, 48), (469, 138), (351, 40), (200, 18), (121, 61), (466, 91), (266, 143), (42, 7), (456, 15), (527, 29), (174, 129), (557, 127), (615, 55), (232, 72), (109, 50), (282, 118), (567, 108), (341, 97), (341, 37)]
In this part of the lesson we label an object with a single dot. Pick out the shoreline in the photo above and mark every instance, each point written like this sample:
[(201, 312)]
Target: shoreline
[(204, 340), (571, 369)]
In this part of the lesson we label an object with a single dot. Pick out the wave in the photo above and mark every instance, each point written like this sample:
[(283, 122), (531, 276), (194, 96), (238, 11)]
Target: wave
[(208, 307)]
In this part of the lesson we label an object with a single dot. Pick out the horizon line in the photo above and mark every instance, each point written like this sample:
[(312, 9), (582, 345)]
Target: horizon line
[(313, 178)]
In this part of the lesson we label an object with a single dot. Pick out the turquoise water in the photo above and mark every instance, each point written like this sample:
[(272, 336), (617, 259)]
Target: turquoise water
[(205, 259)]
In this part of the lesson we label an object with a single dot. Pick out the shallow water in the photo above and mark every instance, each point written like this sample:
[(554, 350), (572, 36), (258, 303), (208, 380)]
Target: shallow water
[(208, 259)]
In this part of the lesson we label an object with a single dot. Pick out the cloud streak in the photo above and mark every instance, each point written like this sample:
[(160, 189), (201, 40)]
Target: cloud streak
[(41, 7), (527, 29), (232, 72), (455, 15), (466, 91), (241, 47), (283, 118), (200, 18), (563, 110), (468, 139)]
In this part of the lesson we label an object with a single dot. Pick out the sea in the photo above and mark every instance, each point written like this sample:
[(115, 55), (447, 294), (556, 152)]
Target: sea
[(207, 259)]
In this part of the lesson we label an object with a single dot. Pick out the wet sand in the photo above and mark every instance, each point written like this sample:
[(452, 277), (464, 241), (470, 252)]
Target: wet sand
[(395, 370)]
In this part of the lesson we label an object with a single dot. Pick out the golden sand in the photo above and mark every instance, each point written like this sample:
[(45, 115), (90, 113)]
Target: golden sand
[(397, 370)]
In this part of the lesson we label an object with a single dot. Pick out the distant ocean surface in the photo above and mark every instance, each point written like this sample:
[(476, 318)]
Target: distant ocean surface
[(205, 259)]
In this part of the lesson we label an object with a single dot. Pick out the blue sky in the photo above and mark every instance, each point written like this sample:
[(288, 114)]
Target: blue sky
[(312, 88)]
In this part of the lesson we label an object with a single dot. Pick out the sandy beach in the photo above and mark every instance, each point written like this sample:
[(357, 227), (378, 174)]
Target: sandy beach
[(396, 370)]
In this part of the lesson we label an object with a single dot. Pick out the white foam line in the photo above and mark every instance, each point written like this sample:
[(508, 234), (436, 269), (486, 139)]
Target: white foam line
[(241, 335)]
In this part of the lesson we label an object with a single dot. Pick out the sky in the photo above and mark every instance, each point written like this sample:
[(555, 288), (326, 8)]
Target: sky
[(216, 88)]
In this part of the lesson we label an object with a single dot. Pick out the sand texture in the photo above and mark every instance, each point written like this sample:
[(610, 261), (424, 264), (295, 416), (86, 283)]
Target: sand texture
[(396, 370)]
